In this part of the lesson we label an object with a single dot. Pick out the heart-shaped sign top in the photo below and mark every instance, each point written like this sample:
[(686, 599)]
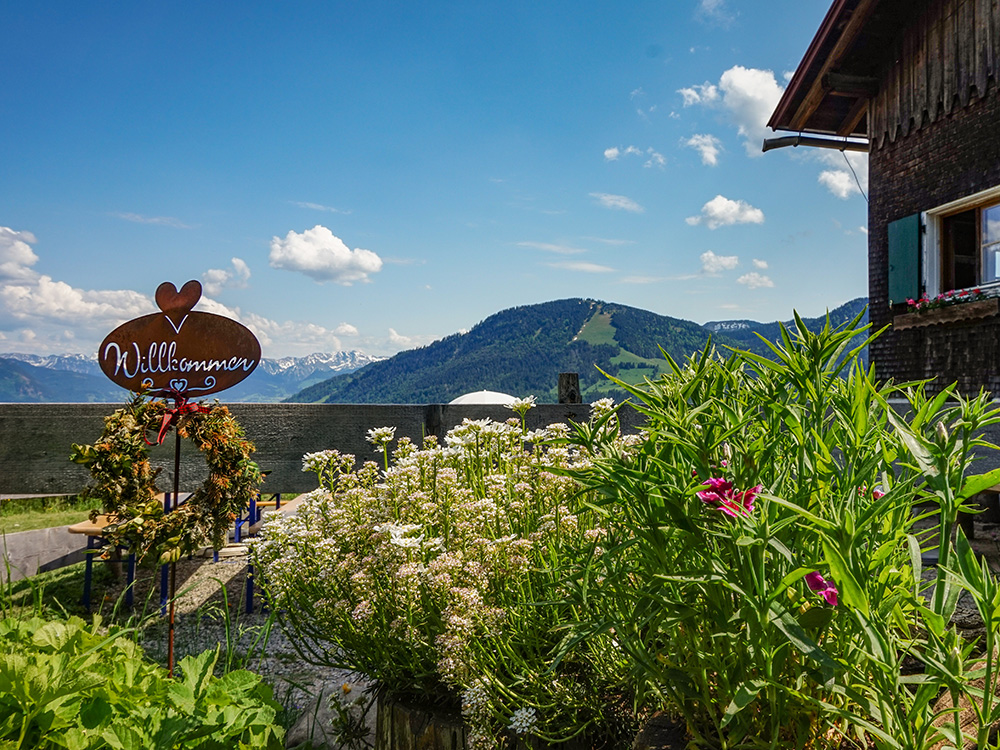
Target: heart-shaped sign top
[(170, 300)]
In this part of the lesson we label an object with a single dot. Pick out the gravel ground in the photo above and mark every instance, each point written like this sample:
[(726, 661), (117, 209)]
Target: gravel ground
[(206, 591)]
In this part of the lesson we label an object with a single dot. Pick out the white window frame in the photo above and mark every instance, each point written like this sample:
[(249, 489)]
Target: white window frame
[(932, 222)]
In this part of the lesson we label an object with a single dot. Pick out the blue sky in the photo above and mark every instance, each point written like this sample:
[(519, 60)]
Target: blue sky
[(379, 175)]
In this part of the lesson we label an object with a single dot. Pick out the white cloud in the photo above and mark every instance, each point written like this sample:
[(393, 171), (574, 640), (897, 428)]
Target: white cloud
[(320, 207), (163, 221), (714, 10), (214, 280), (44, 300), (713, 264), (398, 339), (582, 265), (323, 256), (48, 316), (863, 230), (282, 338), (706, 145), (619, 202), (755, 280), (721, 211), (552, 248), (758, 263), (654, 157), (748, 95), (839, 179), (16, 255), (706, 93), (610, 241)]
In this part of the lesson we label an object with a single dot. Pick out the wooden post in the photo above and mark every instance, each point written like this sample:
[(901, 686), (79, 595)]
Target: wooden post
[(569, 388)]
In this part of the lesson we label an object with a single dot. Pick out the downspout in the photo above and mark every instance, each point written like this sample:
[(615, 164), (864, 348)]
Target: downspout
[(809, 140)]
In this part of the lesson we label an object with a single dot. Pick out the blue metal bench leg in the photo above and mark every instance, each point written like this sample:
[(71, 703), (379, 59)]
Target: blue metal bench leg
[(164, 588), (88, 571), (249, 603), (130, 582)]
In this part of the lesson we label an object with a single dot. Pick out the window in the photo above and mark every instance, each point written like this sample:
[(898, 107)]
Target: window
[(970, 244), (962, 248), (955, 246)]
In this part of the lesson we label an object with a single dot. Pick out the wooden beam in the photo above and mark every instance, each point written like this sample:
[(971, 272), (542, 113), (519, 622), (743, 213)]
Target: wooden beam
[(818, 91), (859, 110), (841, 84)]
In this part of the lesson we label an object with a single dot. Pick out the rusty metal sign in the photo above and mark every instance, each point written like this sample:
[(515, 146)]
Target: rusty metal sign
[(178, 352)]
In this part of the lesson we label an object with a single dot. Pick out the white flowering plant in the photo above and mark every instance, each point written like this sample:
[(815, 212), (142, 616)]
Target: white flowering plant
[(437, 574)]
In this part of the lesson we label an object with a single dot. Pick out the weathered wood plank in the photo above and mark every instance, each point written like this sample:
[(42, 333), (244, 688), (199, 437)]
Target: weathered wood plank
[(935, 67), (907, 83), (982, 26), (922, 106), (948, 53), (965, 38)]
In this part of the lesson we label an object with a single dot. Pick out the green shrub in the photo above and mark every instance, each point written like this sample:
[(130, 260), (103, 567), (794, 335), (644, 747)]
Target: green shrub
[(762, 569), (67, 684)]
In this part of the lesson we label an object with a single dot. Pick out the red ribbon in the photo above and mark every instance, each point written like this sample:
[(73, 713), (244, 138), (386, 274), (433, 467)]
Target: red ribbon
[(170, 416)]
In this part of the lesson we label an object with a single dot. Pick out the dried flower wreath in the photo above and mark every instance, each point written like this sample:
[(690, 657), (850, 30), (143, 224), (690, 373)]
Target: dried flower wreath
[(125, 481)]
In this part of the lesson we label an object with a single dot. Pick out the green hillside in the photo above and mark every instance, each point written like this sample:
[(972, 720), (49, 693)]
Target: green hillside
[(521, 351)]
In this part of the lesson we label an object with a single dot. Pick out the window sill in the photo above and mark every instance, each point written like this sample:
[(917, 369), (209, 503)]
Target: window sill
[(986, 308)]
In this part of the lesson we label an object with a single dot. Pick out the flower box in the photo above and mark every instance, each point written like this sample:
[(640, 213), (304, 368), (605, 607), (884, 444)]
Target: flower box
[(950, 314)]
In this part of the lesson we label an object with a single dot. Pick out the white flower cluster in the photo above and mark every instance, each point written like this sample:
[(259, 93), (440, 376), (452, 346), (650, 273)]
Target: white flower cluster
[(380, 437), (523, 720), (418, 566)]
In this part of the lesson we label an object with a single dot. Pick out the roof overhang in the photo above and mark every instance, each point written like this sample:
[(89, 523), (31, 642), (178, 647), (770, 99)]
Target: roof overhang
[(838, 75)]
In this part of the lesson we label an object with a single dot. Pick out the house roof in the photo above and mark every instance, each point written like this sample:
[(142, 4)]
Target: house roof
[(830, 89)]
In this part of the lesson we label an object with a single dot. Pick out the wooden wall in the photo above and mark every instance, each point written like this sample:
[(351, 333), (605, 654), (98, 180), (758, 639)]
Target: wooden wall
[(948, 56)]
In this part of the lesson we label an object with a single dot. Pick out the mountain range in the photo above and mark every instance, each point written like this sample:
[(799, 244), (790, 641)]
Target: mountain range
[(522, 350), (76, 378), (519, 351)]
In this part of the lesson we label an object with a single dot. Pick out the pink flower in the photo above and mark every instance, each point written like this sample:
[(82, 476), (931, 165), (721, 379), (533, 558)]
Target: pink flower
[(731, 502), (823, 587)]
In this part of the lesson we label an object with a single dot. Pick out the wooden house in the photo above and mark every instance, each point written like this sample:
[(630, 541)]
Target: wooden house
[(916, 82)]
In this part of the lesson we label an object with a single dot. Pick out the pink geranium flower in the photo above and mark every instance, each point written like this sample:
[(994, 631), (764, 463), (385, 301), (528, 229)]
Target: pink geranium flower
[(723, 497), (823, 587)]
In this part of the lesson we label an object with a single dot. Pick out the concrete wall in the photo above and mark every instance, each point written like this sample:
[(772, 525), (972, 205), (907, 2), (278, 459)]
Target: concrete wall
[(35, 439), (25, 553)]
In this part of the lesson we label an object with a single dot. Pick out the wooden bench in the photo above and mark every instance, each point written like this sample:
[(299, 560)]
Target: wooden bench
[(94, 530)]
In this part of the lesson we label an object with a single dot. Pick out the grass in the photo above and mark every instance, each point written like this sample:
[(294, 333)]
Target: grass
[(27, 514)]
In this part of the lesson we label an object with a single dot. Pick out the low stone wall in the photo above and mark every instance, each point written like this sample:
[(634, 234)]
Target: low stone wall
[(35, 439), (25, 553)]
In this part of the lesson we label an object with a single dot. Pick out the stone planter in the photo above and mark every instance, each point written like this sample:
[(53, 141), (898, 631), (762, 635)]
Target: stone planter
[(985, 308)]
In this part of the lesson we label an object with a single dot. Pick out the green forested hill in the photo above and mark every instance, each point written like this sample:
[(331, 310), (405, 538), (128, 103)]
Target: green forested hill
[(521, 351)]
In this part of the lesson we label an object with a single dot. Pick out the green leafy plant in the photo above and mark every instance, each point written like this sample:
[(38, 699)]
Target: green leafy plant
[(67, 684), (762, 570)]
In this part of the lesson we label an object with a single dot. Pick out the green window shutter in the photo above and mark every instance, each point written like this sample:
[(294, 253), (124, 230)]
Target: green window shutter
[(904, 259)]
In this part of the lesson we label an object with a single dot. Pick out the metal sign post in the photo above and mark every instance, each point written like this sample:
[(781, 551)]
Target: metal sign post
[(178, 353)]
